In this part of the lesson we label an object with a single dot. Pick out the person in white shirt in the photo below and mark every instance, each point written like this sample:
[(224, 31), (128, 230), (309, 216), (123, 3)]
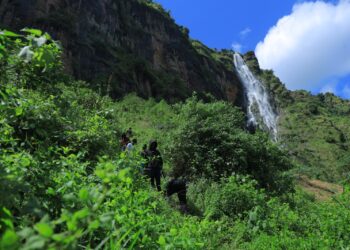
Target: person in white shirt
[(130, 145)]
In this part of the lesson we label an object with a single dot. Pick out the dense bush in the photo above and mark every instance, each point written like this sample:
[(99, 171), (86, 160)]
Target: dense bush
[(311, 225), (211, 143), (232, 197)]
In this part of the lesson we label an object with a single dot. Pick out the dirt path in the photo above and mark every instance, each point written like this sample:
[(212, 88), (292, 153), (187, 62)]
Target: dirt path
[(322, 190)]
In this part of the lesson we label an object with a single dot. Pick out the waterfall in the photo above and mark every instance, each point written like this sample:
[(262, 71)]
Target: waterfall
[(259, 109)]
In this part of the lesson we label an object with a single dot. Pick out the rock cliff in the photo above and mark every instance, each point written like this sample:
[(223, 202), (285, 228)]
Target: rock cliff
[(123, 46)]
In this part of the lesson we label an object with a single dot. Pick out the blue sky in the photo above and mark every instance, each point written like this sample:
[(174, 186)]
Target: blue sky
[(218, 23), (293, 38)]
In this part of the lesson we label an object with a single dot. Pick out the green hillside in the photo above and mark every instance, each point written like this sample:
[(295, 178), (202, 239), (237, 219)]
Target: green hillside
[(65, 184), (314, 129)]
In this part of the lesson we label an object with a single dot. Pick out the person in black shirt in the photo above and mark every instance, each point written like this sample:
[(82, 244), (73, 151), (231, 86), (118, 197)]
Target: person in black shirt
[(155, 164), (178, 186)]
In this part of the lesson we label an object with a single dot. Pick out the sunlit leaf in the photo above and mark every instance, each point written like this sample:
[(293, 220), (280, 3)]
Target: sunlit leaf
[(84, 194), (81, 214), (9, 33), (161, 241), (25, 162), (35, 32), (8, 240), (19, 111), (44, 229)]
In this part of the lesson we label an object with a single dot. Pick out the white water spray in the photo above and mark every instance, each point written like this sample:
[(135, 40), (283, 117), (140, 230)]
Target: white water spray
[(259, 108)]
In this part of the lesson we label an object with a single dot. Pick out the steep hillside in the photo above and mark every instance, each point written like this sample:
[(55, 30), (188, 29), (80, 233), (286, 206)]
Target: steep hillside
[(314, 128), (65, 184), (127, 46)]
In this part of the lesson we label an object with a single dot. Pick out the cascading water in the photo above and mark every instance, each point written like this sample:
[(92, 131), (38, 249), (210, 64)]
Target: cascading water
[(259, 109)]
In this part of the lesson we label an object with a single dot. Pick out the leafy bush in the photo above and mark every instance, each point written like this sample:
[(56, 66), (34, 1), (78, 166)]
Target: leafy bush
[(212, 144), (29, 60), (309, 225), (110, 209), (232, 197)]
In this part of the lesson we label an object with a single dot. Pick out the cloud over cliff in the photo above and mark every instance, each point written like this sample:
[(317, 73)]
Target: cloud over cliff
[(309, 48)]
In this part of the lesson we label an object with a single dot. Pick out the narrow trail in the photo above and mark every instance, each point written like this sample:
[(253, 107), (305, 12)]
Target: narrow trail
[(322, 190)]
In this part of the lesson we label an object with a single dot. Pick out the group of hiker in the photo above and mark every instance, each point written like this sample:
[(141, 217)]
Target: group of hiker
[(152, 167)]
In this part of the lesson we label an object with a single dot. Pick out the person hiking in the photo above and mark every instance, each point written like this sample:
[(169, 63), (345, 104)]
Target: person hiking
[(178, 186), (130, 145), (155, 164), (124, 141), (129, 133)]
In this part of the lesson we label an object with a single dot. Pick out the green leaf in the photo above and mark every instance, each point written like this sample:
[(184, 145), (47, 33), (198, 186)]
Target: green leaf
[(19, 111), (25, 162), (9, 33), (122, 174), (35, 32), (6, 211), (173, 232), (50, 191), (84, 194), (44, 229), (81, 214), (58, 237), (161, 241), (47, 36), (8, 240), (8, 223), (94, 225), (72, 225)]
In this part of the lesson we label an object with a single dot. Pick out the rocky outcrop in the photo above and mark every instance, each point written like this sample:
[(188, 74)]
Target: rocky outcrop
[(123, 46)]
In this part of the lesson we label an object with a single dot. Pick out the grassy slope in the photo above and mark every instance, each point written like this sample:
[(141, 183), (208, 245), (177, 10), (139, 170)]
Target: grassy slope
[(316, 130), (148, 119)]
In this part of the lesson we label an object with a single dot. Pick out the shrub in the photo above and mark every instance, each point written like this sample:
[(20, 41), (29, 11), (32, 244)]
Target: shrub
[(211, 143), (232, 197)]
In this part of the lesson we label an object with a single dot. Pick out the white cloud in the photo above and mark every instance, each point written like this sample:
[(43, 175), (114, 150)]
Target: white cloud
[(244, 32), (309, 46), (237, 47)]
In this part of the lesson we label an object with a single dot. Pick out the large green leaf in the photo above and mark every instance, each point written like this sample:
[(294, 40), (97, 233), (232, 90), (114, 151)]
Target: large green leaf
[(9, 33), (9, 240), (35, 32), (44, 229)]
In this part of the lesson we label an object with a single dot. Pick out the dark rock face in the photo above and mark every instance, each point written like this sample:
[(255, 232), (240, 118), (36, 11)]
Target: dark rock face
[(123, 46)]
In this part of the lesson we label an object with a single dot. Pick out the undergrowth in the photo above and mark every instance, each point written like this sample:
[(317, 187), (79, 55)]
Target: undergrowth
[(65, 184)]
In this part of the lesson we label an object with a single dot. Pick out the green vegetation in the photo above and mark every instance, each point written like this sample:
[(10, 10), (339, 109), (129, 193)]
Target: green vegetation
[(211, 143), (223, 57), (156, 6), (66, 185), (314, 129)]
